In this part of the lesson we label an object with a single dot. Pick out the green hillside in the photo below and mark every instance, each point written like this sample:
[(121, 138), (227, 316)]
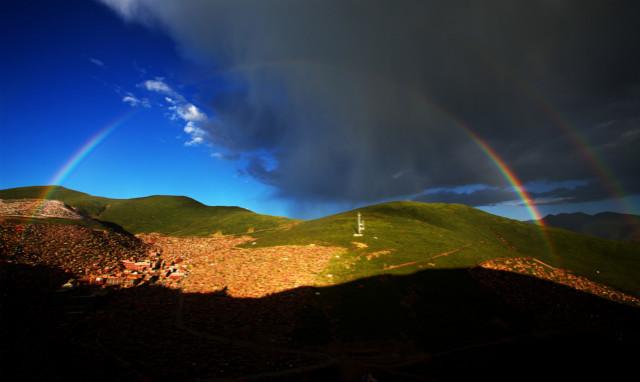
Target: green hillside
[(400, 237), (171, 215), (455, 236)]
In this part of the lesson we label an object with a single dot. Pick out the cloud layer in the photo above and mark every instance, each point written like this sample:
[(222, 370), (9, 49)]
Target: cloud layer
[(355, 101)]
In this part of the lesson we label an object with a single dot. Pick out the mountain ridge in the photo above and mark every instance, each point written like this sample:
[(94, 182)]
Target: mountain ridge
[(165, 214), (401, 237), (607, 225)]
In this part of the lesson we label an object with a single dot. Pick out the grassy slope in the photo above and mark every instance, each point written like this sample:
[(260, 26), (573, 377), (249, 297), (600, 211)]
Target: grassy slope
[(412, 231), (174, 215), (417, 232)]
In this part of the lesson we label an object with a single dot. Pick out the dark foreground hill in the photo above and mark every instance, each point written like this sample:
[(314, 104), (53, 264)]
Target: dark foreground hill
[(434, 325), (170, 215), (607, 225)]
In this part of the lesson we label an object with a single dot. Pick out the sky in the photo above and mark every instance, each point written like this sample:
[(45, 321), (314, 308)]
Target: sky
[(305, 108)]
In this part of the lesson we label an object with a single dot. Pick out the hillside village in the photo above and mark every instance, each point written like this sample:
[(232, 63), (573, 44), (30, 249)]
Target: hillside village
[(195, 264), (131, 273)]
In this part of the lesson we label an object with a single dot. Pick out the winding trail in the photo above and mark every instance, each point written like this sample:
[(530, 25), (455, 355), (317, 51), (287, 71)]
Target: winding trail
[(443, 254)]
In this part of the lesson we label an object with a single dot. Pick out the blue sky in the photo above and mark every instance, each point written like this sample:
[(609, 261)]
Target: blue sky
[(69, 70), (72, 67)]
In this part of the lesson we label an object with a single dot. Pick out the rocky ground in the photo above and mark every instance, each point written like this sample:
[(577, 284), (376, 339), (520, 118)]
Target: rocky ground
[(38, 208), (68, 247), (245, 313), (218, 264), (538, 269)]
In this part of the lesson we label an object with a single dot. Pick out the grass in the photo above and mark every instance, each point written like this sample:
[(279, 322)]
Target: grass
[(415, 236), (422, 234), (170, 215)]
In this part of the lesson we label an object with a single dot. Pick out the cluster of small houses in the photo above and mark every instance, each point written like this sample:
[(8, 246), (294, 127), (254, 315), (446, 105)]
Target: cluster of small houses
[(134, 273)]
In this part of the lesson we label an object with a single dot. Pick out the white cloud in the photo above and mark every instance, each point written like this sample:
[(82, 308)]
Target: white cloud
[(134, 101), (97, 62), (195, 133), (189, 112), (128, 9), (181, 109), (158, 86), (131, 101)]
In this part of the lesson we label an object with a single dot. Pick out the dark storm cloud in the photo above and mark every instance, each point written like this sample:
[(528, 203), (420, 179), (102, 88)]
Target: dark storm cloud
[(484, 197), (353, 100), (587, 192)]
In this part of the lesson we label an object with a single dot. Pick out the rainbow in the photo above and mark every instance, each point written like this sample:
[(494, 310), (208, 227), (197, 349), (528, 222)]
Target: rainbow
[(84, 150), (515, 183), (576, 138), (88, 147), (507, 173), (588, 154)]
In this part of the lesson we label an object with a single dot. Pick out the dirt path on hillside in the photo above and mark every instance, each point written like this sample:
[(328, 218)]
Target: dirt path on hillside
[(217, 264), (444, 254), (427, 261)]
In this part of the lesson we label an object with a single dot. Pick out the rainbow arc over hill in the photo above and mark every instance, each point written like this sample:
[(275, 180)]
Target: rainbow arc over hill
[(575, 137), (509, 175), (517, 185), (82, 153), (587, 152), (90, 145)]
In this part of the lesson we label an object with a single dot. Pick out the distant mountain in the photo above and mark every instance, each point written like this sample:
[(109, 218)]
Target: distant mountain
[(607, 225), (169, 215)]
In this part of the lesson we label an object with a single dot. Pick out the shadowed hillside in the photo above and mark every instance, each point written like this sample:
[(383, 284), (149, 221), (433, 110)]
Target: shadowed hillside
[(444, 325), (431, 292)]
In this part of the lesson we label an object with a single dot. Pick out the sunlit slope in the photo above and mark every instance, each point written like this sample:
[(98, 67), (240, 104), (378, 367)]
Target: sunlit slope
[(404, 237), (171, 215)]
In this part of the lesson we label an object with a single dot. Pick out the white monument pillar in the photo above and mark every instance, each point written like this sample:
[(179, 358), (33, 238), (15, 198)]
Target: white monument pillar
[(360, 226)]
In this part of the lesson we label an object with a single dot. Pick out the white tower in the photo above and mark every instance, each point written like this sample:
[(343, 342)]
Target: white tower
[(360, 226)]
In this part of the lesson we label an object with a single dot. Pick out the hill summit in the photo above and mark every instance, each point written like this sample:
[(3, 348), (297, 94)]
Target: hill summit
[(170, 215), (401, 237)]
